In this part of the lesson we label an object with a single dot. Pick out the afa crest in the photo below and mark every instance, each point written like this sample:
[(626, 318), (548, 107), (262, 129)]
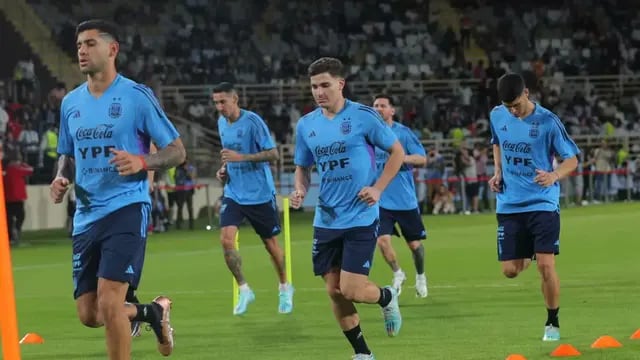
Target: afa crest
[(115, 110), (345, 127), (534, 132)]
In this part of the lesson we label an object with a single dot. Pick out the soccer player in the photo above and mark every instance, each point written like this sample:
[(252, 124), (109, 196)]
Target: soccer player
[(249, 191), (525, 138), (399, 202), (339, 138), (106, 128)]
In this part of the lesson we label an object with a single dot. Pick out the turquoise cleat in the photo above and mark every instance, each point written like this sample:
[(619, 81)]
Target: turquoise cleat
[(551, 333), (391, 314), (363, 357), (246, 297), (285, 305)]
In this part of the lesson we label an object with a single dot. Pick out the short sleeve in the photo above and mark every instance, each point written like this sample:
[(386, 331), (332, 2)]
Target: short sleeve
[(561, 143), (494, 134), (261, 134), (152, 120), (65, 141), (412, 144), (302, 156), (376, 130)]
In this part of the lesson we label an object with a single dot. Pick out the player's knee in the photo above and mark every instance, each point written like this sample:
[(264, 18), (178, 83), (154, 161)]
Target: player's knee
[(510, 271), (382, 241), (334, 293), (109, 306), (350, 293), (89, 317), (415, 245), (546, 270)]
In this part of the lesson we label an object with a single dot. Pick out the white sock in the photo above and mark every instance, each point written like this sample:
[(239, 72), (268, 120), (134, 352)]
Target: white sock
[(283, 287), (421, 277), (244, 287), (398, 273)]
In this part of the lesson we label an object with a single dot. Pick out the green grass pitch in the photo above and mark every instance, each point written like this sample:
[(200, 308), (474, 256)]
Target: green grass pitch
[(472, 312)]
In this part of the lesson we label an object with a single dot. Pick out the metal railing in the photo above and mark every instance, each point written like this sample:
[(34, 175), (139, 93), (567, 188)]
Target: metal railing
[(601, 85)]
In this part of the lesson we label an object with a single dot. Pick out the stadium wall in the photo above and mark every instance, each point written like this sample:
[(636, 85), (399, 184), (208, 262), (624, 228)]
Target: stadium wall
[(41, 213)]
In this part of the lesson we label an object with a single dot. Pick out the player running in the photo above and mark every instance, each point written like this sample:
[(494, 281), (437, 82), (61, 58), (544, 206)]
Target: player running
[(526, 137), (399, 202)]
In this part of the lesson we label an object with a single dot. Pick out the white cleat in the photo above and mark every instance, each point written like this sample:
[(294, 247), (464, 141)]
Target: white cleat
[(398, 280), (421, 286)]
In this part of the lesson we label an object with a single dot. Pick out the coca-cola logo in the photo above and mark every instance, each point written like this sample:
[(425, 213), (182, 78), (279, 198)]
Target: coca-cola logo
[(521, 147), (335, 148), (102, 131)]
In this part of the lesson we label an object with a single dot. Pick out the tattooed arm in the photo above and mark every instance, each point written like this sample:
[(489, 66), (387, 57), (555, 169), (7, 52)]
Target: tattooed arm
[(172, 155), (66, 167), (233, 156)]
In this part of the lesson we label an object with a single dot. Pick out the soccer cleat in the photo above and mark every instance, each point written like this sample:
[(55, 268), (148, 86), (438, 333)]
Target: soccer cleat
[(551, 333), (246, 297), (398, 280), (391, 314), (136, 328), (421, 286), (285, 305), (162, 326), (363, 357)]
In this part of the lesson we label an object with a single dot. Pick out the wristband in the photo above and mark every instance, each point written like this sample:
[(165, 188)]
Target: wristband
[(144, 163)]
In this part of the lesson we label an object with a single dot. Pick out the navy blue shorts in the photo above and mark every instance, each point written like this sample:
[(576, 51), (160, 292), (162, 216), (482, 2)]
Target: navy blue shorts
[(350, 249), (410, 223), (263, 217), (522, 235), (113, 248)]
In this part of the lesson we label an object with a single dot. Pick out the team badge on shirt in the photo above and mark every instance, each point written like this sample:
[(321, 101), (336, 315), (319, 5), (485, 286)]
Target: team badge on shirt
[(533, 132), (115, 110), (345, 127)]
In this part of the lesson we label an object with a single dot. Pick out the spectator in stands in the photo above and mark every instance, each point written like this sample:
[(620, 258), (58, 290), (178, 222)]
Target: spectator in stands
[(467, 171), (443, 201), (29, 141), (185, 182), (15, 189), (480, 153), (49, 150), (604, 160)]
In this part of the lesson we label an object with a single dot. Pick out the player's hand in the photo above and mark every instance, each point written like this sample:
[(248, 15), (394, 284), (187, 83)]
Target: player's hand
[(546, 179), (230, 156), (221, 174), (296, 199), (495, 183), (370, 195), (58, 188), (126, 164)]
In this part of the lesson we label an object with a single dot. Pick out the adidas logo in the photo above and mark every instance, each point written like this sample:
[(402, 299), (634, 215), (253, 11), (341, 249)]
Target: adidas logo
[(129, 270), (504, 128), (367, 265), (312, 134)]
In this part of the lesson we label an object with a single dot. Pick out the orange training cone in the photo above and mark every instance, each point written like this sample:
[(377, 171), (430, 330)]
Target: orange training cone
[(32, 338), (516, 357), (565, 350), (635, 335), (605, 342)]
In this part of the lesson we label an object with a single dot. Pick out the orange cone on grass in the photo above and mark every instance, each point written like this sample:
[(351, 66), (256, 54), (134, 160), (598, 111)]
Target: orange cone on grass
[(32, 338), (565, 350), (516, 357), (606, 342), (635, 335)]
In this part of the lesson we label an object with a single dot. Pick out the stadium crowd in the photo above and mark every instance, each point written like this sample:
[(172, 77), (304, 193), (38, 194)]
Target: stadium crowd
[(248, 41)]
